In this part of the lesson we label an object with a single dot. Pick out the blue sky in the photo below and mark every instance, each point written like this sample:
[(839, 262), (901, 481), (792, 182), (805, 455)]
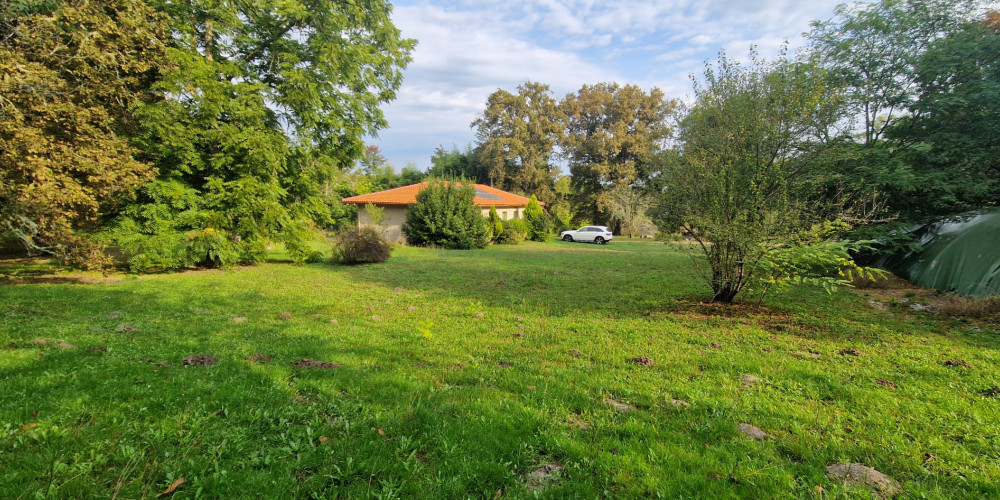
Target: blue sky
[(468, 49)]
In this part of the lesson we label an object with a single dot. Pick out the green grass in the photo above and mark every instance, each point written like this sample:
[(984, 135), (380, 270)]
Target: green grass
[(436, 402)]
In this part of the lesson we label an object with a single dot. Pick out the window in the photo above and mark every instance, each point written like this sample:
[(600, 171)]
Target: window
[(504, 215)]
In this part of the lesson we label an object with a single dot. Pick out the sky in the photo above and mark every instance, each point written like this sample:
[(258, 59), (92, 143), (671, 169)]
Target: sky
[(467, 49)]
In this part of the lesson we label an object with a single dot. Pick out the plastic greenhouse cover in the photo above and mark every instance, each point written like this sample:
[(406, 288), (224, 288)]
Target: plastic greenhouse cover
[(960, 254)]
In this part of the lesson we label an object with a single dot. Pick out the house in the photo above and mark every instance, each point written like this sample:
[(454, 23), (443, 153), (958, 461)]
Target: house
[(396, 201)]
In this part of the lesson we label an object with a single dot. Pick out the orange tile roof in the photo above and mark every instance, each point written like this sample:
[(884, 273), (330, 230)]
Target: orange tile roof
[(486, 196)]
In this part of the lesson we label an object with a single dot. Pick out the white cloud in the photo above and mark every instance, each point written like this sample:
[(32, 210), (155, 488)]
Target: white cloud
[(469, 48)]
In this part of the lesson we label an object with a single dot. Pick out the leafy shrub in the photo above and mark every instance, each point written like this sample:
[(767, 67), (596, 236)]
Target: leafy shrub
[(447, 216), (826, 264), (495, 225), (539, 225), (361, 246), (514, 231)]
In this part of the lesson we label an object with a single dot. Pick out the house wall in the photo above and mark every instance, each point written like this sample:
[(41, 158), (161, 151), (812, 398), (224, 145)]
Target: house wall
[(511, 213), (391, 227), (395, 216)]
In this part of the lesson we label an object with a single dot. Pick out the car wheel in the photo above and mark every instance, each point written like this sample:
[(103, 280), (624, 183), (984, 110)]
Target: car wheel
[(568, 238), (599, 240)]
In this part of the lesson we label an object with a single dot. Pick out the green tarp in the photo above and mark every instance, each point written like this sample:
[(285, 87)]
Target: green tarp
[(960, 254)]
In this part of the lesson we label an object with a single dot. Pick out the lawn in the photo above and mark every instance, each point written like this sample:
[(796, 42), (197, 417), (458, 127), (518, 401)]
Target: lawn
[(505, 371)]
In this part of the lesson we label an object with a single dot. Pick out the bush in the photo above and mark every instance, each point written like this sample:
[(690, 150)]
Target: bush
[(970, 307), (446, 216), (539, 225), (361, 246), (495, 225), (514, 231)]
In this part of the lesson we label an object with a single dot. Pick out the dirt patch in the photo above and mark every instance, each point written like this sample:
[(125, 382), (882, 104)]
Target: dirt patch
[(259, 358), (716, 345), (958, 362), (286, 315), (65, 345), (641, 361), (309, 363), (479, 315), (518, 318), (851, 351), (501, 282), (240, 319), (518, 335), (200, 360), (880, 485), (98, 348), (376, 318), (161, 364), (806, 355), (680, 403), (575, 353), (504, 364), (543, 477), (115, 314), (126, 329), (750, 381), (885, 383), (40, 341), (411, 308), (753, 431)]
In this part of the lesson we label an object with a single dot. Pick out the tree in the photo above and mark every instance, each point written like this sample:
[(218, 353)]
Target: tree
[(70, 74), (372, 160), (748, 143), (539, 225), (517, 134), (628, 207), (950, 139), (495, 224), (446, 215), (458, 165), (269, 102), (612, 134)]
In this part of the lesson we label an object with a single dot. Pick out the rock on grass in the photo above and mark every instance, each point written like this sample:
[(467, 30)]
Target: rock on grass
[(880, 485), (753, 431)]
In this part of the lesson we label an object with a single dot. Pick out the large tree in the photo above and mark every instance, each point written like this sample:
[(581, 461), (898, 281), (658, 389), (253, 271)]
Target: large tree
[(269, 100), (612, 134), (70, 75), (517, 134), (875, 52), (749, 145)]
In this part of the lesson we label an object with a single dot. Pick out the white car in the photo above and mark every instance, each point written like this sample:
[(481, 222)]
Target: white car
[(596, 234)]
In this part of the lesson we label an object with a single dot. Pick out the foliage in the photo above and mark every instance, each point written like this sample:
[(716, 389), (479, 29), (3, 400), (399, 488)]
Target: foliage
[(628, 207), (459, 166), (446, 215), (515, 231), (376, 213), (539, 225), (266, 106), (735, 202), (70, 75), (612, 134), (827, 264), (495, 225), (517, 134), (885, 56), (950, 138), (361, 246)]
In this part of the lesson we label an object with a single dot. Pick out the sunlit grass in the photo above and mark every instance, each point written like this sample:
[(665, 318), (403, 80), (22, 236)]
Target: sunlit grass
[(462, 371)]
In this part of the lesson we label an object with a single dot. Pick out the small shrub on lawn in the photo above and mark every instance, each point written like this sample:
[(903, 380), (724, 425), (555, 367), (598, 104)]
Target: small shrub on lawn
[(514, 231), (495, 225), (446, 215), (361, 246)]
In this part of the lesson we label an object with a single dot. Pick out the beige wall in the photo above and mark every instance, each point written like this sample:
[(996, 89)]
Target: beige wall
[(511, 213), (391, 227), (395, 216)]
